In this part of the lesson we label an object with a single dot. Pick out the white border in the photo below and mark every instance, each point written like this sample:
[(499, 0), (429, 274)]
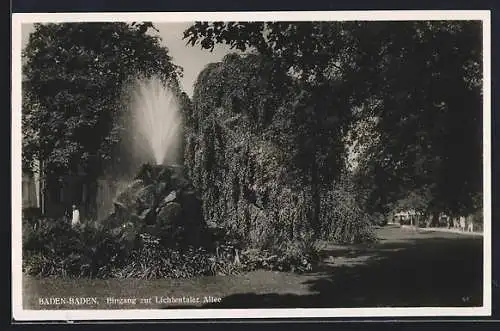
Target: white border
[(19, 314)]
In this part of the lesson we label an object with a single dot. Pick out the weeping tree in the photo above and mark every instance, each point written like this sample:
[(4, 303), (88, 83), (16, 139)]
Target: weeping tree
[(74, 77), (293, 94)]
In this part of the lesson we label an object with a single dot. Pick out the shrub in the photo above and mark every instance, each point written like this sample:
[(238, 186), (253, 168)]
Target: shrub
[(152, 260), (95, 250), (343, 219), (55, 248), (43, 265), (49, 236), (298, 256)]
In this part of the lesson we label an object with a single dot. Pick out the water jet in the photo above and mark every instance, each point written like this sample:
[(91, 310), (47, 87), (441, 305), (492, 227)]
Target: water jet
[(155, 121)]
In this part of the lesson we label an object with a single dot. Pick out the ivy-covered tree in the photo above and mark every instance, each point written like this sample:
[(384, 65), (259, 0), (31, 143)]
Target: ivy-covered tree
[(74, 78), (309, 114)]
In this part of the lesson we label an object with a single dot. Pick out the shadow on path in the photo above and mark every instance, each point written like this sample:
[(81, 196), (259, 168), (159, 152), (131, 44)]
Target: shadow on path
[(416, 270)]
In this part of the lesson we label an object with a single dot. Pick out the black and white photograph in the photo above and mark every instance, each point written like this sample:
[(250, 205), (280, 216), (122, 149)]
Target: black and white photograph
[(243, 165)]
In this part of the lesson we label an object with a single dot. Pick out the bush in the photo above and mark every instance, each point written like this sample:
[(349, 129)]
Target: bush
[(379, 219), (152, 260), (298, 256), (343, 220), (94, 250), (49, 236), (55, 248)]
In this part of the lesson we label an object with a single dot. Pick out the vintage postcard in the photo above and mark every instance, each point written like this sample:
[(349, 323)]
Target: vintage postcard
[(251, 165)]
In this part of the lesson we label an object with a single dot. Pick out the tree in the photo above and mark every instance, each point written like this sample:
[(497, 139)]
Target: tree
[(75, 74), (429, 116), (312, 113), (419, 81)]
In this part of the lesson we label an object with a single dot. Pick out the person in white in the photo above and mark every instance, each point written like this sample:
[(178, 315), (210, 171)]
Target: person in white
[(470, 224), (462, 223), (75, 220)]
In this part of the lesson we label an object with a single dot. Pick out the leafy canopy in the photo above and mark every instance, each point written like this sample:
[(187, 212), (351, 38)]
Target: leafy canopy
[(74, 77), (418, 83)]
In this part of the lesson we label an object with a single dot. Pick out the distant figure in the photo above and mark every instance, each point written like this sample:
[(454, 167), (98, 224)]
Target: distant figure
[(462, 223), (75, 220), (67, 215), (470, 225), (450, 222)]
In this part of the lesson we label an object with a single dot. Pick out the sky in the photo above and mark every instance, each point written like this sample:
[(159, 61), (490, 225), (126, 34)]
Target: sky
[(191, 59)]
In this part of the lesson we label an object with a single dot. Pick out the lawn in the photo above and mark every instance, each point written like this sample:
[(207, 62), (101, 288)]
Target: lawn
[(405, 269)]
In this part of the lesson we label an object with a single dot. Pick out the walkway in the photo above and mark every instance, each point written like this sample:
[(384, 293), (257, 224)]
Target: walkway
[(441, 229)]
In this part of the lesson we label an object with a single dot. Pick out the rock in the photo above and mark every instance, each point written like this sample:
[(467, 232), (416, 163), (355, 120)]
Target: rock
[(119, 206), (168, 220), (147, 217), (169, 214), (147, 195), (127, 196), (191, 204), (162, 201), (161, 187), (152, 230), (169, 198), (192, 211)]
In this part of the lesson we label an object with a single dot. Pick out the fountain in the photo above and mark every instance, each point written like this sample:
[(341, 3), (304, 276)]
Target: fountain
[(155, 121), (157, 199), (152, 133)]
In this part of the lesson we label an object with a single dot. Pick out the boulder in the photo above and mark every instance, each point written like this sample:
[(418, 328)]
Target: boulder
[(169, 215), (169, 223), (128, 196), (160, 200), (145, 197), (172, 196)]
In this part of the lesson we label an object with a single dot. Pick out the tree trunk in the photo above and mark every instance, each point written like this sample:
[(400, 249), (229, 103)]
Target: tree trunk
[(316, 199), (90, 198), (430, 220), (434, 219)]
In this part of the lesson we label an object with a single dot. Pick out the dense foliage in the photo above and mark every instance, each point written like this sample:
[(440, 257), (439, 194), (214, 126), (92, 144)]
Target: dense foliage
[(247, 153), (408, 94), (156, 231), (428, 105), (74, 80), (53, 248)]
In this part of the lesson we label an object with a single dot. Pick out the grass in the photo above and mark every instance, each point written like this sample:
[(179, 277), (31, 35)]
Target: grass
[(405, 269)]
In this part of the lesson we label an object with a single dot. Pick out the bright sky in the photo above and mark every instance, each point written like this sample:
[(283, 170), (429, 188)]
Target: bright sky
[(191, 59)]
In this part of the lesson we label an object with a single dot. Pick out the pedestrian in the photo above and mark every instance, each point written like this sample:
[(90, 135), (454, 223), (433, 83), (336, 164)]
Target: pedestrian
[(67, 215), (75, 220), (462, 223), (470, 224)]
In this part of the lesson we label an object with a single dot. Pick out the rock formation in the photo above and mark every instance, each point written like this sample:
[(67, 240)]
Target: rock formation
[(161, 201)]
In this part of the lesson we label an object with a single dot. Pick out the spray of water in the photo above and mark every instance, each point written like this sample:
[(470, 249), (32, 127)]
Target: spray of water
[(152, 134), (156, 120)]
